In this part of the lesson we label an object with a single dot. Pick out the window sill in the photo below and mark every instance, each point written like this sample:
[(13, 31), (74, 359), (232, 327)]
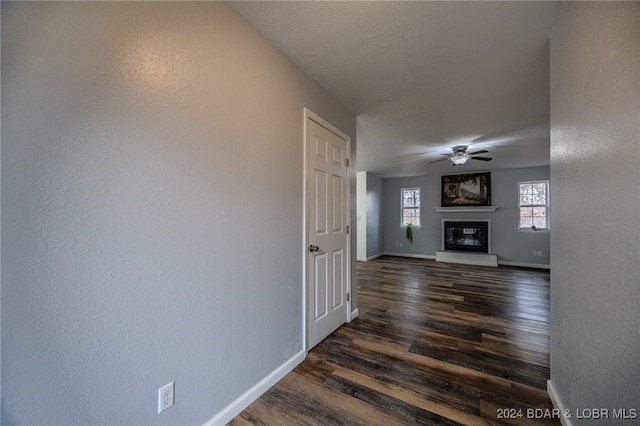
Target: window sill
[(541, 231), (414, 227)]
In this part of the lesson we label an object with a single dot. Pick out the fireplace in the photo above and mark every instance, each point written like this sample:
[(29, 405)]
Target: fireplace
[(467, 236)]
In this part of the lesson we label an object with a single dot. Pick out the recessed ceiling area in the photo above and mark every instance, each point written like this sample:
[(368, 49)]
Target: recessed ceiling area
[(423, 77)]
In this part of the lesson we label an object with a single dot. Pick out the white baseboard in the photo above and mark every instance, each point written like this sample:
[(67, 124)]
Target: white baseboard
[(370, 258), (354, 314), (557, 403), (418, 256), (524, 265), (236, 407)]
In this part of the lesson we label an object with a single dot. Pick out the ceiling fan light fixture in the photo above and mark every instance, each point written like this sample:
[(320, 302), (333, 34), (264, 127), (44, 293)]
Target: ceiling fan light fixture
[(459, 159), (460, 155)]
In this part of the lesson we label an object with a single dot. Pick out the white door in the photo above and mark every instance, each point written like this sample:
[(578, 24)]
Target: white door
[(327, 220)]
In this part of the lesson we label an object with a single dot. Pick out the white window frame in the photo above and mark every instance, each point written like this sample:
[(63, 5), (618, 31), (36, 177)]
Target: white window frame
[(545, 206), (418, 208)]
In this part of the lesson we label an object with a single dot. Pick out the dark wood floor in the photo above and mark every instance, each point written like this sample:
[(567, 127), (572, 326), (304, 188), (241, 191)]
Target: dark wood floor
[(434, 344)]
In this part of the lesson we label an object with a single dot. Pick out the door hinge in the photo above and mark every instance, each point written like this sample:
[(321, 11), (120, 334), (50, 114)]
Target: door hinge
[(348, 297), (346, 162), (347, 229)]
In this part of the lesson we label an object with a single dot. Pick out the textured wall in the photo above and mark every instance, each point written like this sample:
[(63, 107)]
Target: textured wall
[(507, 242), (595, 204), (152, 196)]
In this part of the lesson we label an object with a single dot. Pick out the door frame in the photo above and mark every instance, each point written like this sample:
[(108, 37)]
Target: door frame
[(310, 115)]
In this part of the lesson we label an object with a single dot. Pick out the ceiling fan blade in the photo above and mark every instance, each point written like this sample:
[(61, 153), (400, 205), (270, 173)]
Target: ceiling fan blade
[(444, 159), (482, 151), (481, 158)]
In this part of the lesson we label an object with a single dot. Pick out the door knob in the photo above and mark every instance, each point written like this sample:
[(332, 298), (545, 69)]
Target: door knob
[(313, 248)]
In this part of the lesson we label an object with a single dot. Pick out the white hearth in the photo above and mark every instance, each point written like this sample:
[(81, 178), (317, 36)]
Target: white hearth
[(480, 259)]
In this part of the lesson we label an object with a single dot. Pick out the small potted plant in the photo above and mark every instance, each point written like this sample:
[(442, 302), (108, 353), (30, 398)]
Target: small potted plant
[(409, 230)]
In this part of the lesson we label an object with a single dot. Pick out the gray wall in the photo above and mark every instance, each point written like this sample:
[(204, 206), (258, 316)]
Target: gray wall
[(595, 207), (370, 224), (152, 196), (361, 211), (375, 224), (511, 246)]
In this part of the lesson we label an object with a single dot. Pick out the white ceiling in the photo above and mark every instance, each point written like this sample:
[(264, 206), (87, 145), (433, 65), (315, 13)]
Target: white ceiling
[(423, 76)]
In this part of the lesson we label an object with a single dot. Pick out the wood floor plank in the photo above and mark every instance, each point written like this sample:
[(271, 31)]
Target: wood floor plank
[(434, 344), (414, 398), (393, 370)]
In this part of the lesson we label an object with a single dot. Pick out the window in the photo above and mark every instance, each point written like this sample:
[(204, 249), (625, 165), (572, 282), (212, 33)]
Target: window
[(534, 205), (410, 206)]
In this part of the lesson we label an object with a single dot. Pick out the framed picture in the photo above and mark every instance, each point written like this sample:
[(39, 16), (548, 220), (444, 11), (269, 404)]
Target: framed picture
[(466, 190)]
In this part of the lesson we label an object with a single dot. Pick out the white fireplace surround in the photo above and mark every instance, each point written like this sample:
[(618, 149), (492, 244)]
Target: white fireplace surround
[(482, 259)]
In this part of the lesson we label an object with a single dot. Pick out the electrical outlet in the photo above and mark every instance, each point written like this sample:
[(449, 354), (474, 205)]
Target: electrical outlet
[(539, 253), (535, 252), (166, 396)]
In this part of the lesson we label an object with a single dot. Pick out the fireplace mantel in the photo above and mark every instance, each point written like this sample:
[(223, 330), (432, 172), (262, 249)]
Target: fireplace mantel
[(466, 209)]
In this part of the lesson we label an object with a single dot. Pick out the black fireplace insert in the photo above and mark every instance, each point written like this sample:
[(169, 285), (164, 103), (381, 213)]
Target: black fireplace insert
[(466, 236)]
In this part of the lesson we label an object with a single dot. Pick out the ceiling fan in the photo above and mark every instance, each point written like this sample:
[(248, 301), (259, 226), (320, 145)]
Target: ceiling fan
[(460, 155)]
